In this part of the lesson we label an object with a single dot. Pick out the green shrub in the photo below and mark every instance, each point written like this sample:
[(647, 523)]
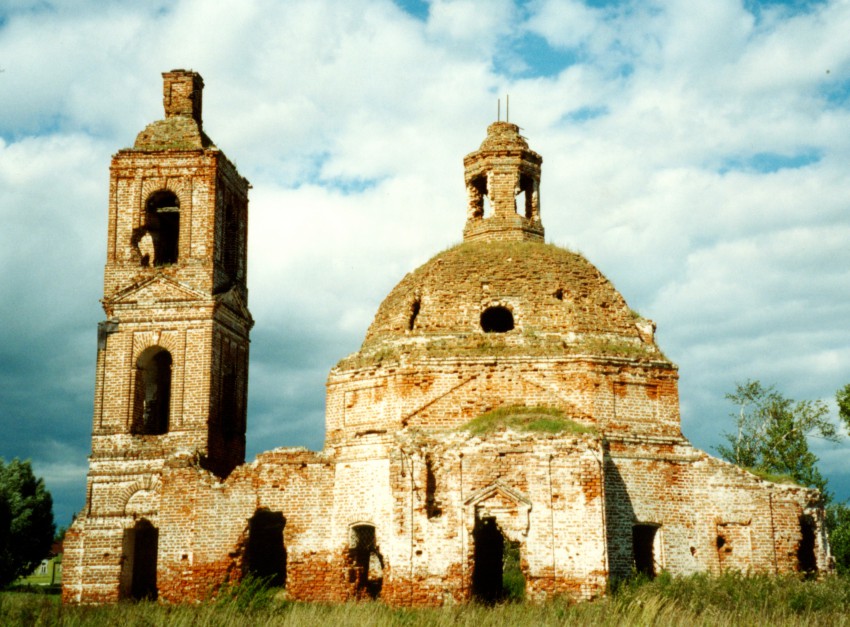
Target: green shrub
[(513, 581)]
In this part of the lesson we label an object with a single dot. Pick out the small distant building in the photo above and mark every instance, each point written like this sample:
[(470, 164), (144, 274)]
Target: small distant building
[(506, 402), (49, 572)]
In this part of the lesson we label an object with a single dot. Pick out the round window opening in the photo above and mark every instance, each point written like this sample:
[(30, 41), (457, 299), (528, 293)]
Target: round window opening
[(497, 320)]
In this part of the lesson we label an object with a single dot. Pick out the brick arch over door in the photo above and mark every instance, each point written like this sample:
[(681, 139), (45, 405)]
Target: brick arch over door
[(150, 483)]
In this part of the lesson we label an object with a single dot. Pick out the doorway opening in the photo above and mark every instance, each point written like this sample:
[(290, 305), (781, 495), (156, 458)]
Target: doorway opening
[(265, 554), (643, 548), (367, 563), (806, 561), (138, 568), (496, 572)]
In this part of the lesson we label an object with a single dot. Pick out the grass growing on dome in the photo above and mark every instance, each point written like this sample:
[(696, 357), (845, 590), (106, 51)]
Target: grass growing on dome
[(618, 348), (524, 418)]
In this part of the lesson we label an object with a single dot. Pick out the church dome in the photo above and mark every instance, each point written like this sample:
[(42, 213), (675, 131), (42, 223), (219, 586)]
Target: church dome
[(514, 298), (503, 291)]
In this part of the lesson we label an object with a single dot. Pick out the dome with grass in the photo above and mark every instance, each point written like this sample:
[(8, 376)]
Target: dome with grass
[(508, 297)]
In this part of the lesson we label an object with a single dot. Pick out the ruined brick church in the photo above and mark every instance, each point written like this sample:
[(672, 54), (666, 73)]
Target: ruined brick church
[(505, 401)]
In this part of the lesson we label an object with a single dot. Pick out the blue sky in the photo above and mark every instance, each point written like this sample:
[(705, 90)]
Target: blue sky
[(696, 151)]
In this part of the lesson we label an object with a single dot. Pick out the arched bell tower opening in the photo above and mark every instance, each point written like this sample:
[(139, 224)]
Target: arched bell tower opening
[(152, 399), (162, 226)]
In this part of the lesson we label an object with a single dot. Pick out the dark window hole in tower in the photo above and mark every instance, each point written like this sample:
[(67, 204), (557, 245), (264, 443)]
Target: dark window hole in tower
[(415, 306), (559, 294), (162, 222), (367, 564), (478, 197), (265, 554), (138, 566), (806, 561), (497, 320), (432, 505), (643, 543), (152, 392)]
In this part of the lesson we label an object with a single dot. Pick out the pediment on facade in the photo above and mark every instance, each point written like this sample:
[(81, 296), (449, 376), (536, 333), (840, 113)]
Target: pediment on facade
[(233, 300), (498, 496), (155, 290), (488, 389), (510, 508)]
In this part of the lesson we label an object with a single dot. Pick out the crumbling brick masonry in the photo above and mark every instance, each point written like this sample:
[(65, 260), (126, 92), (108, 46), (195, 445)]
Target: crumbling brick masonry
[(577, 467)]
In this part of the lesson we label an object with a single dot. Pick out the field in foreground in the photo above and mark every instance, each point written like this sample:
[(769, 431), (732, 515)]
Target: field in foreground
[(728, 600)]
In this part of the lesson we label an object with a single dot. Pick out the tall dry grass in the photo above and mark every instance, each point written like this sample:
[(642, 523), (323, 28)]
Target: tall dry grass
[(731, 599)]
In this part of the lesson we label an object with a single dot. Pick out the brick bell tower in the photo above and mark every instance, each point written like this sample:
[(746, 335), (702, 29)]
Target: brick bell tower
[(172, 355), (172, 359)]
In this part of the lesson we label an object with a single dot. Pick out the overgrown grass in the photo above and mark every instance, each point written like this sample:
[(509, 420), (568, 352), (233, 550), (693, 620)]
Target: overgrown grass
[(772, 477), (731, 599), (523, 418)]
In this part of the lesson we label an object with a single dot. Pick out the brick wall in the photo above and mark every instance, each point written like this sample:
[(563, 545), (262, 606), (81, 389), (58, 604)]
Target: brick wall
[(403, 503)]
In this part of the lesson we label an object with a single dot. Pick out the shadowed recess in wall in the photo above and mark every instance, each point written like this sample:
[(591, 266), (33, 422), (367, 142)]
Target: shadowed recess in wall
[(265, 553)]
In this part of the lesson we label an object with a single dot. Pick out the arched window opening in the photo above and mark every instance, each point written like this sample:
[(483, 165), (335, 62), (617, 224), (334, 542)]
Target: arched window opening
[(497, 319), (806, 561), (265, 554), (525, 196), (643, 549), (138, 563), (415, 306), (367, 564), (162, 229), (478, 201), (153, 392)]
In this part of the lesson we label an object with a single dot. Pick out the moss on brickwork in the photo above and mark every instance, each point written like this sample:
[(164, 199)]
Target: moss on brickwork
[(554, 297), (522, 418), (177, 133), (480, 345)]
